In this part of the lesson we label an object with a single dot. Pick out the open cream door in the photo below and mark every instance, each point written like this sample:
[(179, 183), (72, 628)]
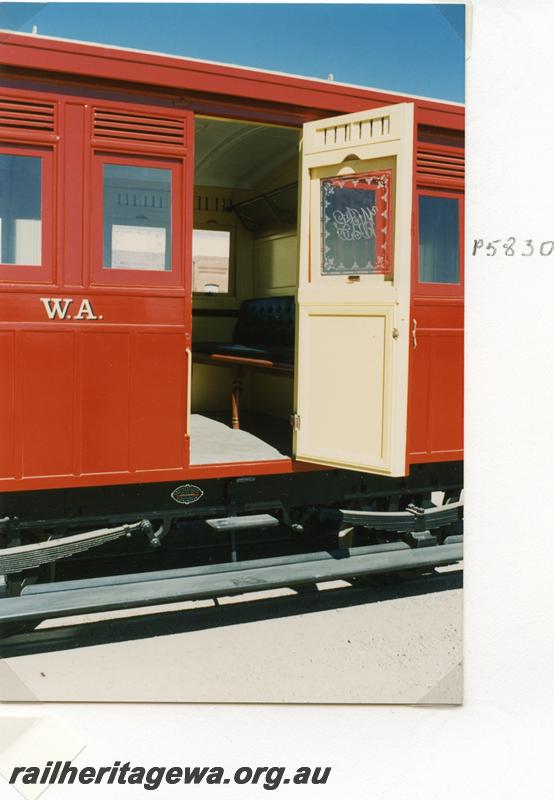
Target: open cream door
[(354, 291)]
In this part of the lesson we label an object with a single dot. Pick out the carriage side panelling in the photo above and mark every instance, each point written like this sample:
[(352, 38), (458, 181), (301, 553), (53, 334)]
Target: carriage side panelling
[(93, 359), (435, 425)]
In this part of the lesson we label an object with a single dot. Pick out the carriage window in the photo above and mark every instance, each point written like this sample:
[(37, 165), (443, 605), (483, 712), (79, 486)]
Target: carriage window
[(20, 210), (439, 239), (211, 256), (137, 217)]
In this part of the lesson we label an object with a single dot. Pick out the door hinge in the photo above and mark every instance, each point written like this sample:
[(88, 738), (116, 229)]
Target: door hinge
[(295, 422)]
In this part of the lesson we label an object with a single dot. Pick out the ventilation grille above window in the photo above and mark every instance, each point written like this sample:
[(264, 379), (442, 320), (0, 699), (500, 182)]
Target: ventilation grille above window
[(129, 127), (440, 166), (26, 116)]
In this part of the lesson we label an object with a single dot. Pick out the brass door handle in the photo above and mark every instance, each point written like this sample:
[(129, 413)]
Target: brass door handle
[(414, 329)]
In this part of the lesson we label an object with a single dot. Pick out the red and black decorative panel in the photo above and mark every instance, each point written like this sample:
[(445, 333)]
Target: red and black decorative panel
[(355, 224)]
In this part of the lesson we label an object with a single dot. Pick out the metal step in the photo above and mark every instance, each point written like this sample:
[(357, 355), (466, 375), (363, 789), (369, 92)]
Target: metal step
[(224, 524), (225, 579)]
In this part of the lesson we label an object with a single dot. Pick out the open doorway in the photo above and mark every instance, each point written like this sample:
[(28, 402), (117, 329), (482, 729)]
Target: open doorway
[(244, 288)]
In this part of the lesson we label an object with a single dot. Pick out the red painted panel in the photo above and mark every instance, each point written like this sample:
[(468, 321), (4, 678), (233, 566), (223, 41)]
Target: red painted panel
[(96, 365), (436, 397), (46, 370), (444, 313), (72, 228), (446, 393), (436, 411), (105, 383), (244, 87), (435, 403), (158, 401), (7, 405), (419, 397), (112, 306), (236, 469)]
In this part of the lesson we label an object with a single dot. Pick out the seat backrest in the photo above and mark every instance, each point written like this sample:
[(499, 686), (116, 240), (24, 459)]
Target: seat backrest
[(266, 321)]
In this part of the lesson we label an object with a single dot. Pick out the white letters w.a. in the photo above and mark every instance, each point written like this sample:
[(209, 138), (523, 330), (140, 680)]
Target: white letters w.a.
[(58, 307), (54, 307)]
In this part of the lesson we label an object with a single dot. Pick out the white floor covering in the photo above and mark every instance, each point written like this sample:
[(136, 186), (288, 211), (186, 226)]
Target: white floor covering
[(213, 442)]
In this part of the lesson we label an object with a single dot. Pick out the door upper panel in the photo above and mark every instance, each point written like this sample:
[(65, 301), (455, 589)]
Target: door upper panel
[(354, 290)]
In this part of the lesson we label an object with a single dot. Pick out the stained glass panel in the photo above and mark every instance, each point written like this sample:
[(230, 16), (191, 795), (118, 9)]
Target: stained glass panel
[(354, 212)]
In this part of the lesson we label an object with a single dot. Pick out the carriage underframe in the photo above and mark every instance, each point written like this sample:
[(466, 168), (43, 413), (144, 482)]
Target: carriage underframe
[(255, 534)]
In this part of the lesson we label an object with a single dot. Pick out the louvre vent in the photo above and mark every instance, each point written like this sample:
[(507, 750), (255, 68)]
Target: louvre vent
[(143, 128), (440, 165), (26, 116)]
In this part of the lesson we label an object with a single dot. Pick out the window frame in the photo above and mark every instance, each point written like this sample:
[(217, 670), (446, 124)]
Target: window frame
[(43, 272), (106, 276), (429, 288)]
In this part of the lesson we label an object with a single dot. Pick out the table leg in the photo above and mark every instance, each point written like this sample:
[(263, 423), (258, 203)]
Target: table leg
[(236, 373)]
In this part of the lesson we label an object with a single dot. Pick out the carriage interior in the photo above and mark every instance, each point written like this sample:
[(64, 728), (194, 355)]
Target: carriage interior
[(244, 248)]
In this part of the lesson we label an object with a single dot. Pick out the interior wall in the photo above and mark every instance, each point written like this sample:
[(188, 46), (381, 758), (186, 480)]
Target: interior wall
[(275, 264), (212, 210), (211, 386), (272, 394), (275, 269), (275, 274), (261, 266)]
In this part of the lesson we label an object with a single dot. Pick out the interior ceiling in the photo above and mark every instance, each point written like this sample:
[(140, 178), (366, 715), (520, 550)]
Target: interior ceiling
[(240, 155)]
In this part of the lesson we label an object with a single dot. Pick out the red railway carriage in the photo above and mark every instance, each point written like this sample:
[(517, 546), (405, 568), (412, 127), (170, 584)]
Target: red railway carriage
[(193, 257)]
